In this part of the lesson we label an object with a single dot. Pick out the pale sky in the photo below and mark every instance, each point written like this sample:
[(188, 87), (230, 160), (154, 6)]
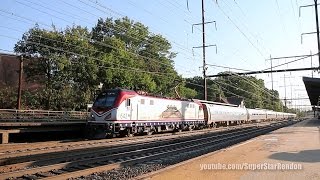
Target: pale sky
[(248, 32)]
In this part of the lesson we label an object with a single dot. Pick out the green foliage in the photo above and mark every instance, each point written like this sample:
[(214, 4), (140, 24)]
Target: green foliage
[(69, 64), (8, 98), (62, 62), (255, 94), (134, 51), (214, 90)]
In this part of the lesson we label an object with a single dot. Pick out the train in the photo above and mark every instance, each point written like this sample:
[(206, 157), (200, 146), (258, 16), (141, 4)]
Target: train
[(122, 112)]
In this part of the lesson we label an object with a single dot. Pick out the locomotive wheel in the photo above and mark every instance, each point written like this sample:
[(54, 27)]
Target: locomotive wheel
[(125, 133), (191, 128), (177, 130), (214, 125), (109, 136), (129, 133)]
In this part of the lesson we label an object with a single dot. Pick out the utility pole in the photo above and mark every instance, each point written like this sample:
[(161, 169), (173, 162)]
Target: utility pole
[(20, 83), (204, 66), (285, 93), (317, 24), (204, 54), (285, 90), (272, 99), (291, 98), (311, 63)]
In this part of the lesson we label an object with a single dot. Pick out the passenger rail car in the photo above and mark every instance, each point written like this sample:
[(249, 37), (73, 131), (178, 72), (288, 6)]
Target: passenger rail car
[(221, 113), (127, 112), (256, 115)]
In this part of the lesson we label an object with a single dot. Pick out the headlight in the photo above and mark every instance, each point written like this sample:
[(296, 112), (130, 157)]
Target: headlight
[(92, 117)]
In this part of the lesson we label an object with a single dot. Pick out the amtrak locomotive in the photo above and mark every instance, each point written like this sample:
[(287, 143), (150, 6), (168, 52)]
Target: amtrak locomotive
[(126, 112)]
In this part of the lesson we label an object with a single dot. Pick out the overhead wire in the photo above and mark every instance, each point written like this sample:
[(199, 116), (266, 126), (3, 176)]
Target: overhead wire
[(130, 69), (299, 59), (264, 99), (252, 83), (82, 55), (281, 20), (102, 44), (108, 9), (256, 35), (59, 17), (297, 17), (126, 69), (32, 21), (242, 33), (100, 5), (227, 67)]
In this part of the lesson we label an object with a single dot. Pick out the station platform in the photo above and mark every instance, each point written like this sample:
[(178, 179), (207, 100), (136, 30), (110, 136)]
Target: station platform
[(288, 153), (15, 128), (14, 121)]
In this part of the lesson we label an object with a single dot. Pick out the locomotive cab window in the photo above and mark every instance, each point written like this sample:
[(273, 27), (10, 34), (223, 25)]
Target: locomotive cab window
[(106, 99)]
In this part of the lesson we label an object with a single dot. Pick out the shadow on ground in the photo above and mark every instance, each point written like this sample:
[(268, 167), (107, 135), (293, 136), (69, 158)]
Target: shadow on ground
[(311, 156), (308, 123)]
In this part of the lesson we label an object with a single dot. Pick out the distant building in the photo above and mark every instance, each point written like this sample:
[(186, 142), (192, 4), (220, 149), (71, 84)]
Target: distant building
[(9, 70), (9, 73), (231, 100), (236, 101)]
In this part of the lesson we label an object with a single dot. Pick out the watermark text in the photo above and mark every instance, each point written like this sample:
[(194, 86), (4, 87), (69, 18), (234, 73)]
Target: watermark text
[(251, 166)]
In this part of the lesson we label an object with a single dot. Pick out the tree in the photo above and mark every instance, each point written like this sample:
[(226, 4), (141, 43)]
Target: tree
[(136, 58), (213, 89), (255, 94), (59, 60), (71, 62)]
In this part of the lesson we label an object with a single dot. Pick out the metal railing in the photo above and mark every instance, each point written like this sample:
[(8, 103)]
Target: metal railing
[(13, 115)]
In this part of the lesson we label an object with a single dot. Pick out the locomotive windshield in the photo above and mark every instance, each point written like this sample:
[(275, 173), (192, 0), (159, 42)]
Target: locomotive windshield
[(106, 99)]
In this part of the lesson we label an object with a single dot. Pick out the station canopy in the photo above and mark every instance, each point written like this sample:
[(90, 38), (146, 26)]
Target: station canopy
[(313, 89)]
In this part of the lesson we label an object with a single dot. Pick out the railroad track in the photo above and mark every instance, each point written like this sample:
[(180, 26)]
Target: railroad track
[(19, 162), (25, 149), (66, 165)]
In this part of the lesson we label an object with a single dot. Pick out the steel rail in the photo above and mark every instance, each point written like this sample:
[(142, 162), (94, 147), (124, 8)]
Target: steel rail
[(61, 157), (206, 146), (8, 151), (179, 146)]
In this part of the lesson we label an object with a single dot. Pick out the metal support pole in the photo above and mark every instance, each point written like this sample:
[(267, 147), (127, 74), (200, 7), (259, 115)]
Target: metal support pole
[(20, 83), (311, 64), (204, 55), (291, 96), (285, 93), (272, 84), (317, 23)]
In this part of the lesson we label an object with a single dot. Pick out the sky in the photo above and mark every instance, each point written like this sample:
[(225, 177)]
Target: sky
[(245, 35)]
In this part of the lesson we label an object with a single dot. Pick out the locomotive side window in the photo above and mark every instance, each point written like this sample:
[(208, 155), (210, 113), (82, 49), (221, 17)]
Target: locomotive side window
[(128, 102), (142, 101), (151, 102)]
